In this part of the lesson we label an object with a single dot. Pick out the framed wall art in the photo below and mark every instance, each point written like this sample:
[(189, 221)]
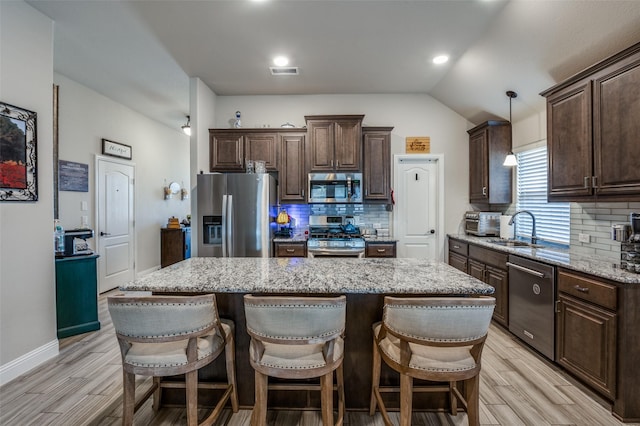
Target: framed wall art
[(18, 165), (116, 149)]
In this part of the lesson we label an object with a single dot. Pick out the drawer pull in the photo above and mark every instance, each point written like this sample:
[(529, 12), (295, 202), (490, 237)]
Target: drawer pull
[(290, 250), (381, 250), (581, 289), (456, 247)]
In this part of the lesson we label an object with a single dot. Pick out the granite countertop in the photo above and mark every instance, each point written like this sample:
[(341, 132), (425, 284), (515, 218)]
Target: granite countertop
[(593, 265), (376, 239), (309, 276), (296, 238)]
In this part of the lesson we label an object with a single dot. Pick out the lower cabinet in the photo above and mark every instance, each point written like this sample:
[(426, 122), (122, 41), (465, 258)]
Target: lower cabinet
[(586, 330), (374, 249), (489, 266), (290, 249), (76, 295)]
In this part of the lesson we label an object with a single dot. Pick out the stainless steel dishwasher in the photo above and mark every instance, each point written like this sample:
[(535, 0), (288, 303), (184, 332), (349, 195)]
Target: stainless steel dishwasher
[(532, 289)]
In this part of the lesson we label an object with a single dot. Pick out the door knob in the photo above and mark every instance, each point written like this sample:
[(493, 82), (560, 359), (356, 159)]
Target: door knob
[(433, 231), (102, 234)]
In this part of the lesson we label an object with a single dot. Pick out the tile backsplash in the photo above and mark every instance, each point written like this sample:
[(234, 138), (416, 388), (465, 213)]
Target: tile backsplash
[(368, 213), (595, 220)]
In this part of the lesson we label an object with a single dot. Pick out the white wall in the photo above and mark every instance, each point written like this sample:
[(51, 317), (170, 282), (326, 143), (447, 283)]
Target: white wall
[(410, 115), (160, 155), (27, 280)]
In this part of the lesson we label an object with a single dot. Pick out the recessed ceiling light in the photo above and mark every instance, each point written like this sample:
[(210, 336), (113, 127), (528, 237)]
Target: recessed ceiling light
[(440, 59), (281, 61)]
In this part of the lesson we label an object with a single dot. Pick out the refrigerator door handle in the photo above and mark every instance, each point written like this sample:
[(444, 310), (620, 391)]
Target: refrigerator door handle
[(224, 226), (230, 226)]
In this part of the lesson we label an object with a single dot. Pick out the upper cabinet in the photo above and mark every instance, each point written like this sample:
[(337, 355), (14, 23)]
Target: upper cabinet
[(229, 148), (334, 143), (592, 132), (377, 164), (292, 175), (489, 181)]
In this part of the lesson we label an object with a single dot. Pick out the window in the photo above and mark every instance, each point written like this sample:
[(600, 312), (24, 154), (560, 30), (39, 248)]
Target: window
[(552, 219)]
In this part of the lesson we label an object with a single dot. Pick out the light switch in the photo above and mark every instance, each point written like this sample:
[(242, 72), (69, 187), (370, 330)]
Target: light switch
[(84, 221), (84, 206)]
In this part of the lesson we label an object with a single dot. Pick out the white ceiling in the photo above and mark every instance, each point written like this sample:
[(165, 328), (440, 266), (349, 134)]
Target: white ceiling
[(142, 53)]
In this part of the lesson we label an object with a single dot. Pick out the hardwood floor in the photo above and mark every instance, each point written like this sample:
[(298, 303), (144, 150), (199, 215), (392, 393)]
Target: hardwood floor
[(83, 386)]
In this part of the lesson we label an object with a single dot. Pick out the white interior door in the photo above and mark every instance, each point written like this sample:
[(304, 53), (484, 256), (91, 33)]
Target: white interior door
[(416, 214), (115, 233)]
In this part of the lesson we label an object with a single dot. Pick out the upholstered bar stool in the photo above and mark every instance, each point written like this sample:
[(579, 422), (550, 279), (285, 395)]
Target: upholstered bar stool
[(297, 338), (438, 339), (169, 335)]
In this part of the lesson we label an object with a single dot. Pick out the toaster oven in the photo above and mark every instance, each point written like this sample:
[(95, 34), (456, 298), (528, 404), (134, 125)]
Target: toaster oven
[(482, 224)]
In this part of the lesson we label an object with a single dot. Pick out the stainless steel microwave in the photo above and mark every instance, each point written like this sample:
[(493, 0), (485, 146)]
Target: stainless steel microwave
[(335, 188)]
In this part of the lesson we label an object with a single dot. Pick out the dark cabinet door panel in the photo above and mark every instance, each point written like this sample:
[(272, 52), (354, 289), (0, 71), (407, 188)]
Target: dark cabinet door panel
[(264, 147)]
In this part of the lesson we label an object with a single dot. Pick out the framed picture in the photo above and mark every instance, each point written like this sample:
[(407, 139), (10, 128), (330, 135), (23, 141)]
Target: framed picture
[(116, 149), (18, 167)]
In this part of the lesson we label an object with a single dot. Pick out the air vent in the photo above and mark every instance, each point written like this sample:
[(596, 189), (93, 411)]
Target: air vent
[(284, 70)]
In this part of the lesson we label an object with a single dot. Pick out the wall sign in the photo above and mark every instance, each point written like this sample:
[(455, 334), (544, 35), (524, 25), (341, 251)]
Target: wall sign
[(116, 149), (73, 176), (418, 144)]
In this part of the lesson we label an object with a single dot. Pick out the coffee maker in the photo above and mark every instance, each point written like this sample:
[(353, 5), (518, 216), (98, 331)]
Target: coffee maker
[(630, 250), (75, 242)]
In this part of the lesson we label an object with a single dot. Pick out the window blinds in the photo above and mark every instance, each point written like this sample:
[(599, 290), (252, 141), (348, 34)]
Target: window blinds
[(552, 219)]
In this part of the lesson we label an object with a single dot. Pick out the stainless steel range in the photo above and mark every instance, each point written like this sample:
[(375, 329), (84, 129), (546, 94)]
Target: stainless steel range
[(334, 236)]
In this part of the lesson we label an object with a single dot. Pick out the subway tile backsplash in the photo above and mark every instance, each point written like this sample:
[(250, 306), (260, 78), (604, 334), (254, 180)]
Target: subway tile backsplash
[(596, 219), (368, 213)]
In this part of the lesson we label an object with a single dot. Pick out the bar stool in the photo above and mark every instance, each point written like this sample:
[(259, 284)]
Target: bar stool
[(438, 339), (169, 335), (297, 338)]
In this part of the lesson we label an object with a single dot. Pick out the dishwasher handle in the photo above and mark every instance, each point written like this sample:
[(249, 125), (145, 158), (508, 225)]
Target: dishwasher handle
[(527, 270)]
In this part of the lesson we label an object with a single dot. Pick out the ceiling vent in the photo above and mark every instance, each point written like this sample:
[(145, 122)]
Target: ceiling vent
[(284, 70)]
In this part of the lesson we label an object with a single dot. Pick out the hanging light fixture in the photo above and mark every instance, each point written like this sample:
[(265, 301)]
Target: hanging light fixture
[(187, 127), (510, 160)]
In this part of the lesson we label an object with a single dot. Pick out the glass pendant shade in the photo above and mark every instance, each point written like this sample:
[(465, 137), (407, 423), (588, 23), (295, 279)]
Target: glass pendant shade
[(510, 160), (187, 127)]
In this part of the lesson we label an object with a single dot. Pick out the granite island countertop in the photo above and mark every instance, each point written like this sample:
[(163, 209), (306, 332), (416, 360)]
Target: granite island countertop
[(593, 265), (310, 276)]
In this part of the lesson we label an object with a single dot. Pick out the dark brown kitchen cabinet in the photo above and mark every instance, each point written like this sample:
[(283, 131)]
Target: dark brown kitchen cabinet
[(226, 151), (292, 173), (458, 252), (377, 164), (458, 262), (230, 148), (490, 266), (489, 181), (263, 147), (586, 337), (334, 142), (290, 249), (592, 132), (380, 249), (174, 245)]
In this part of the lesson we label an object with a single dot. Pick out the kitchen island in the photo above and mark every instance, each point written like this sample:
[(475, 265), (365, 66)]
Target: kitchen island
[(363, 281)]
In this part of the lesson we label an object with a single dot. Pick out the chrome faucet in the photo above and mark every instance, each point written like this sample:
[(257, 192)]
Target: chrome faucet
[(534, 239)]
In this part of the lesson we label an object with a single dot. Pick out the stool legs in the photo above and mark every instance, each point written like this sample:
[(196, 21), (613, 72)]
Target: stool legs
[(128, 398), (230, 358), (471, 391), (191, 381), (375, 378), (340, 380), (406, 399), (326, 398), (259, 414)]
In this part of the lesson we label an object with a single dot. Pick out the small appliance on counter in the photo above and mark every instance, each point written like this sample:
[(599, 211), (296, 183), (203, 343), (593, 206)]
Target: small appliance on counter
[(482, 224), (630, 250), (75, 242), (173, 223)]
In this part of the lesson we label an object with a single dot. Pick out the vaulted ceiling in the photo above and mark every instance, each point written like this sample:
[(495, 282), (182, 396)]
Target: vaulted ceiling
[(142, 53)]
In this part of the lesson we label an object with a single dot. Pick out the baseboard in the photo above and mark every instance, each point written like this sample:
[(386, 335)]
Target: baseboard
[(28, 361)]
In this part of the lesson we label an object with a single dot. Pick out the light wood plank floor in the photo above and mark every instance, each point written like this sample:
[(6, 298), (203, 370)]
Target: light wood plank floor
[(83, 386)]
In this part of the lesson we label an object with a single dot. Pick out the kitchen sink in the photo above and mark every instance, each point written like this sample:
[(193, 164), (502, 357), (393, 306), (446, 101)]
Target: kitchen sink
[(515, 243)]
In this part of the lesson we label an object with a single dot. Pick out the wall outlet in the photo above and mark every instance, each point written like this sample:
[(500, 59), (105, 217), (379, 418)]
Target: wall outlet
[(84, 220), (584, 238)]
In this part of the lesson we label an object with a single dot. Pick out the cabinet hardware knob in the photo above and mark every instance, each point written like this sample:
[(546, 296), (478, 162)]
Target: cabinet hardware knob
[(484, 190), (594, 181), (290, 250), (456, 247), (581, 289), (586, 181), (381, 250)]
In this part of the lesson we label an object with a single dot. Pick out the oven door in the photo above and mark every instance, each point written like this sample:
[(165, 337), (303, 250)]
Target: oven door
[(336, 252)]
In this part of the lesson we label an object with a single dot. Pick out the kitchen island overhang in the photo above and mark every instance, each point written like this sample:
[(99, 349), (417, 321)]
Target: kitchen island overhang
[(365, 282)]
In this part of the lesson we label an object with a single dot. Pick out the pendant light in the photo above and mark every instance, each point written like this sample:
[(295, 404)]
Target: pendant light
[(187, 127), (510, 160)]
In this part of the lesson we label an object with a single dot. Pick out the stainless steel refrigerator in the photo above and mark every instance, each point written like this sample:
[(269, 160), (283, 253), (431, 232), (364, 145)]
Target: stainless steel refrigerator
[(236, 213)]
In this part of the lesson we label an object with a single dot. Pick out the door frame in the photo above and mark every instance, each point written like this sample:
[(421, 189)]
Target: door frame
[(439, 159), (96, 219)]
